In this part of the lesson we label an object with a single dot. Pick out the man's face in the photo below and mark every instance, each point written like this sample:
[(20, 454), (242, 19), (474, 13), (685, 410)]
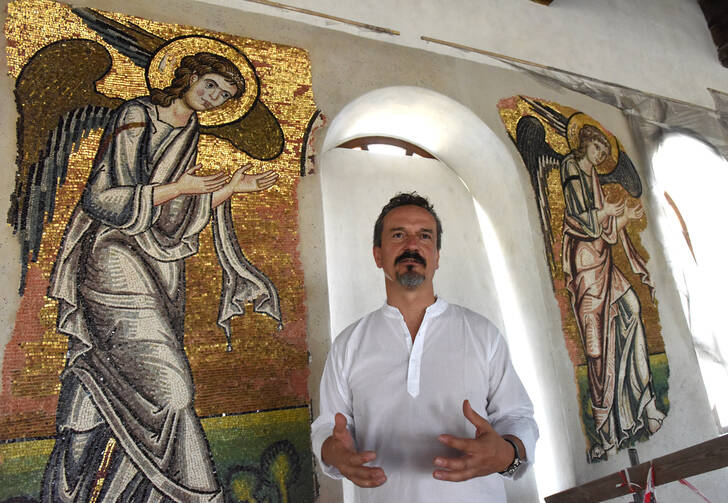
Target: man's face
[(408, 254), (207, 92)]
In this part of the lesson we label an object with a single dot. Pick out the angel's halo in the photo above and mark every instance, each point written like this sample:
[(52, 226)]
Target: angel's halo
[(165, 61)]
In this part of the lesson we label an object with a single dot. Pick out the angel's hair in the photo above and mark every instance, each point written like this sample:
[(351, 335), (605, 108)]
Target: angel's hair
[(199, 64), (590, 133)]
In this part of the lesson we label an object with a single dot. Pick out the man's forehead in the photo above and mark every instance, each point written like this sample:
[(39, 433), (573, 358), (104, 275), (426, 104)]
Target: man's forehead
[(409, 215)]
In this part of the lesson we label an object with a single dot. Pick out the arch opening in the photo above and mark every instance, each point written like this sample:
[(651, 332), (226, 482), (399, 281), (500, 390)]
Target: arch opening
[(695, 251), (475, 181)]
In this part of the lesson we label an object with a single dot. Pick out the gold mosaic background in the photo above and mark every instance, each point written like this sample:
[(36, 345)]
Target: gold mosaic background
[(511, 110), (267, 368)]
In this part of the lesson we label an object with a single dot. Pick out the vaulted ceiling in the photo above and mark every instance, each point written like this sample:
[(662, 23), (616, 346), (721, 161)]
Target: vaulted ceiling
[(716, 14)]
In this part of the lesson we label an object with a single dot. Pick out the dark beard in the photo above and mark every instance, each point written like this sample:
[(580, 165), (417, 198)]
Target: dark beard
[(410, 279)]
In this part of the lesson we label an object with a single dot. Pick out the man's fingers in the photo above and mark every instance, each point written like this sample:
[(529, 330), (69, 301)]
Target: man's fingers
[(195, 168), (451, 464), (476, 419), (339, 423), (453, 476), (360, 458), (465, 445), (365, 476), (351, 463)]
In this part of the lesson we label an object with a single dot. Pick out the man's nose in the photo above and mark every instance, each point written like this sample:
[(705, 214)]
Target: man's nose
[(411, 242)]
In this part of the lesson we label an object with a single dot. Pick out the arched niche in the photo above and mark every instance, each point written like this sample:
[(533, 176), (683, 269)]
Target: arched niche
[(509, 284)]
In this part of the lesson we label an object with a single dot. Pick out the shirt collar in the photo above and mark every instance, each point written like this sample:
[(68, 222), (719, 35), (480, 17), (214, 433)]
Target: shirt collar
[(432, 310)]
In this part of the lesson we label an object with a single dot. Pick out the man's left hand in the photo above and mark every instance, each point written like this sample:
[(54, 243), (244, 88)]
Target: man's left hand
[(485, 454)]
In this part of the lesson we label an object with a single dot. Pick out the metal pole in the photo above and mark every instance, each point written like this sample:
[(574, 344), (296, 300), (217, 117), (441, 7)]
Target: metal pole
[(634, 460)]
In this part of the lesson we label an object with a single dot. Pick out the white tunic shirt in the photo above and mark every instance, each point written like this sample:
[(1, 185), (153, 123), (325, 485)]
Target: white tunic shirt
[(398, 396)]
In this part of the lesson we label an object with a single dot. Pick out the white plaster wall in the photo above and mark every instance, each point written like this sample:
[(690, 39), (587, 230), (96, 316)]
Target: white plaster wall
[(660, 46), (9, 246), (345, 67), (355, 187)]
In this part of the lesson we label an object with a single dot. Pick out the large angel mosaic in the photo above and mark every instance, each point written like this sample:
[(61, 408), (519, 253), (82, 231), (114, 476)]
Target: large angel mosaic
[(126, 422), (587, 191)]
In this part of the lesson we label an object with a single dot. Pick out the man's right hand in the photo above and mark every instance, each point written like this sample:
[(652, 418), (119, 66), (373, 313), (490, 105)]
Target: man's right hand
[(338, 450)]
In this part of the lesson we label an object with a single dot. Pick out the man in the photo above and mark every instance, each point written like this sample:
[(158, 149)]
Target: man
[(423, 388)]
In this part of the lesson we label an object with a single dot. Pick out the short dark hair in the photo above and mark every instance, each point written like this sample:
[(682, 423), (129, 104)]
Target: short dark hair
[(406, 199)]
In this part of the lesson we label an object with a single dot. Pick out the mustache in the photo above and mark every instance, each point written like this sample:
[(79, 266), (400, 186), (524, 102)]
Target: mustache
[(411, 255)]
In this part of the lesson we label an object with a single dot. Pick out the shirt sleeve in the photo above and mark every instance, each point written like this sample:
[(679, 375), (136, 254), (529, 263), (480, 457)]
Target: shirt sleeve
[(335, 396), (509, 408)]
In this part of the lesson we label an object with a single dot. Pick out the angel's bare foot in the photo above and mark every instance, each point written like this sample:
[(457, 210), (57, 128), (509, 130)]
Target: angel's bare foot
[(654, 418)]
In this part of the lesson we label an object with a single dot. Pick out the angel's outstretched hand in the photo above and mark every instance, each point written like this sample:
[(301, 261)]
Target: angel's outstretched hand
[(189, 183), (254, 182)]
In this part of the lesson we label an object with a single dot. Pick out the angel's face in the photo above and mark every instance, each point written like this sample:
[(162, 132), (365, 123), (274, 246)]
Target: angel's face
[(208, 91), (597, 151)]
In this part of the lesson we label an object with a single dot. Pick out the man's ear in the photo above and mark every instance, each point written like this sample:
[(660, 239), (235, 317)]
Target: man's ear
[(194, 78), (377, 252)]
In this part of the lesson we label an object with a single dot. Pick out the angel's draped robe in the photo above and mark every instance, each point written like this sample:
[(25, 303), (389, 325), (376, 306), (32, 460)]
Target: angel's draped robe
[(120, 285), (607, 309)]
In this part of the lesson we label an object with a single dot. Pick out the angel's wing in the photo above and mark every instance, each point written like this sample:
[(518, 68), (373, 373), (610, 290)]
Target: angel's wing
[(625, 175), (258, 133), (132, 41), (539, 159), (624, 172), (58, 106)]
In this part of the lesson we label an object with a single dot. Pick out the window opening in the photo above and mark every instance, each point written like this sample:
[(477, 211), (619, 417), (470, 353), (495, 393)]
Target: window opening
[(386, 145), (690, 179)]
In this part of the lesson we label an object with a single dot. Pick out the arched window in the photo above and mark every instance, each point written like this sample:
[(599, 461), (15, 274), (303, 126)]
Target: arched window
[(690, 181), (386, 145)]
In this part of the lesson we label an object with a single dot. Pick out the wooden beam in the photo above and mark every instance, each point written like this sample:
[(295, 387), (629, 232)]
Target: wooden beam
[(694, 460), (364, 142), (511, 59), (369, 27)]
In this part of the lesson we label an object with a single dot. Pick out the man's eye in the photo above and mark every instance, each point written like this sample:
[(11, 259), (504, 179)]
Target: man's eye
[(426, 236), (397, 235)]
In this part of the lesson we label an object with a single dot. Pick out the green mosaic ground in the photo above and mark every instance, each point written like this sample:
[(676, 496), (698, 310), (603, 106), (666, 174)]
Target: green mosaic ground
[(236, 442)]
